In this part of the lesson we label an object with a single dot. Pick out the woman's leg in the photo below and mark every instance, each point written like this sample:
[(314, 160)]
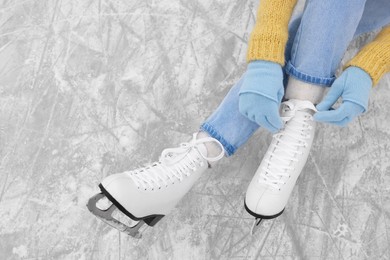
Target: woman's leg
[(325, 31), (376, 15), (226, 124)]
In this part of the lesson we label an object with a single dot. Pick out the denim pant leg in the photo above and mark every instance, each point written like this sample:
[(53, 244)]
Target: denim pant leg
[(326, 29), (226, 124), (376, 15)]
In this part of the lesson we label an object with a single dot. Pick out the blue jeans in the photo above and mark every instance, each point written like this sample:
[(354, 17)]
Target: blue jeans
[(318, 39)]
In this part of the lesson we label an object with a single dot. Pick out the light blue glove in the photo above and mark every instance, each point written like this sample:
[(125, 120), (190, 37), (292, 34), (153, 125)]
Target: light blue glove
[(261, 93), (353, 86)]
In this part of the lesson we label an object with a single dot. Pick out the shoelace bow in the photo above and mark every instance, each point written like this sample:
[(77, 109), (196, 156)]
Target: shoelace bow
[(174, 164), (278, 164)]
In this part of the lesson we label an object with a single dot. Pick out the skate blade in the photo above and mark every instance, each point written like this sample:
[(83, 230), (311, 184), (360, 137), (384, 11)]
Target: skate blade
[(135, 229), (255, 225)]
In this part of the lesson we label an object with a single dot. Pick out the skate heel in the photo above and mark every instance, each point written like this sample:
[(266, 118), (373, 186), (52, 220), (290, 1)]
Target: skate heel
[(151, 221)]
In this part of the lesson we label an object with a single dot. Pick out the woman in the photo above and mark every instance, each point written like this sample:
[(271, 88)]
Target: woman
[(296, 63)]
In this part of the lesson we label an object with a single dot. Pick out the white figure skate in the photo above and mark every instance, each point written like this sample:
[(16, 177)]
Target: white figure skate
[(271, 186), (147, 194)]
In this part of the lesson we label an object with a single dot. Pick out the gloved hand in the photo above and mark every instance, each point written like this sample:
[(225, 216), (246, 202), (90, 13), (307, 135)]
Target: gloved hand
[(261, 93), (353, 86)]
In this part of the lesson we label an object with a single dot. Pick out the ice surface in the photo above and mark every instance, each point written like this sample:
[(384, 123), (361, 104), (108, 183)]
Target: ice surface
[(89, 88)]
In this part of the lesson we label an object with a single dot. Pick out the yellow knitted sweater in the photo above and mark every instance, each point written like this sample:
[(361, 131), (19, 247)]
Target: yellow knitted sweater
[(269, 37), (270, 34), (374, 58)]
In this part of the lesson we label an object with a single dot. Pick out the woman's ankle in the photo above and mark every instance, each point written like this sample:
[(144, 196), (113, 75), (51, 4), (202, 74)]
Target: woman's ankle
[(213, 149), (301, 90)]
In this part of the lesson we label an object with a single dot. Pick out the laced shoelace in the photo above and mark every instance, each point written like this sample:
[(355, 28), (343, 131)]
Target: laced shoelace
[(279, 164), (174, 164)]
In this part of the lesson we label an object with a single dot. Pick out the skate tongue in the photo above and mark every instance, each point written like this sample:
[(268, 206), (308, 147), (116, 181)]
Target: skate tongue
[(202, 149), (296, 108), (211, 150), (171, 156), (290, 107)]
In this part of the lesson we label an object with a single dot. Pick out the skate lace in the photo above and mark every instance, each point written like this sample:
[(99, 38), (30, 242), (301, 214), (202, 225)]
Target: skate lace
[(285, 150), (174, 164)]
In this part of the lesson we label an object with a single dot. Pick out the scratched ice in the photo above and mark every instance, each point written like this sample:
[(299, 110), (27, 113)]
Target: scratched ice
[(90, 88)]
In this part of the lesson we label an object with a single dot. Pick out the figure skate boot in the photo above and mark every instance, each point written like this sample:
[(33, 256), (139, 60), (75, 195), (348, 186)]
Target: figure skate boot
[(147, 194), (274, 180)]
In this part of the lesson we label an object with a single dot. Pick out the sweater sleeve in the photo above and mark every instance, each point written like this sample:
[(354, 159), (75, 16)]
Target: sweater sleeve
[(374, 58), (270, 34)]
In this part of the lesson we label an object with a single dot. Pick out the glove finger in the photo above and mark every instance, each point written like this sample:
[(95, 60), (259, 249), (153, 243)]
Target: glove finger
[(341, 123), (274, 119), (333, 95), (263, 122), (250, 116), (331, 115), (243, 107), (354, 108), (280, 94)]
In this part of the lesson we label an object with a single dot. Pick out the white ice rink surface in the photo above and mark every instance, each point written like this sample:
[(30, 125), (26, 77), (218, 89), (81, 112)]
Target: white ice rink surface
[(89, 88)]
